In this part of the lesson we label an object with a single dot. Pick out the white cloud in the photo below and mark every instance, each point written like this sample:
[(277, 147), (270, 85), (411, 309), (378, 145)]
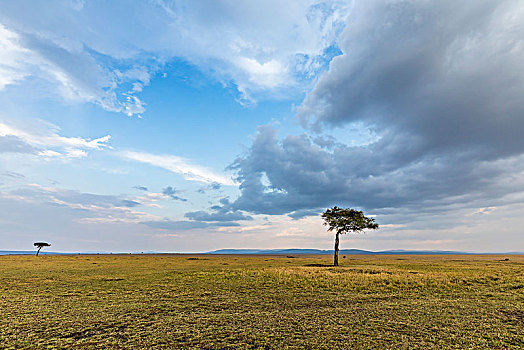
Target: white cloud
[(45, 137), (94, 208), (268, 74), (150, 199), (12, 67), (106, 54), (48, 153), (241, 229), (178, 165), (72, 221), (260, 46), (484, 211), (69, 69)]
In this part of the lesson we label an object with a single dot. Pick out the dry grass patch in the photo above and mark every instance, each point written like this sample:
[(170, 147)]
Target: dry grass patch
[(239, 302)]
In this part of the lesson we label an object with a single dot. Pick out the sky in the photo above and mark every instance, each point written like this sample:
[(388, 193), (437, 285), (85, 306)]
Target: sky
[(190, 126)]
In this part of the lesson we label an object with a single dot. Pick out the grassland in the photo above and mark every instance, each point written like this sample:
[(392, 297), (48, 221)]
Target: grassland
[(237, 302)]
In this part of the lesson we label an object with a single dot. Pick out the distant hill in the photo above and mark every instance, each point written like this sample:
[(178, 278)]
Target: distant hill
[(344, 251), (274, 252), (28, 252), (287, 251)]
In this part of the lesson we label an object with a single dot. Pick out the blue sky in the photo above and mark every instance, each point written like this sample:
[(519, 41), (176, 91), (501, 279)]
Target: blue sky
[(190, 126)]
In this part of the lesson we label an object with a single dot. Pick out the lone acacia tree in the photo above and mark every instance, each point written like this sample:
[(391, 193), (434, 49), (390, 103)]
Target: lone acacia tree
[(346, 220), (40, 245)]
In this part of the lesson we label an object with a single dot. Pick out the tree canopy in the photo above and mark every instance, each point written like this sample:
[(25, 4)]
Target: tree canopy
[(345, 220), (40, 245)]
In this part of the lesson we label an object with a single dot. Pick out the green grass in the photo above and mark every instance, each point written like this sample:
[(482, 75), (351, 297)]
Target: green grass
[(268, 302)]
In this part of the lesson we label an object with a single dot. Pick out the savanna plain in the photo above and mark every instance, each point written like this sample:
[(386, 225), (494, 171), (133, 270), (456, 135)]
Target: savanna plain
[(261, 302)]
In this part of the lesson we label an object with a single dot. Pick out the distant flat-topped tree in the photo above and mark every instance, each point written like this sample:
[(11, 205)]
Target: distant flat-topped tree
[(40, 245), (346, 220)]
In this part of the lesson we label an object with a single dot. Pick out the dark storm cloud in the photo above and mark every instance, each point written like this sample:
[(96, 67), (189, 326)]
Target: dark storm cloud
[(443, 75), (439, 83), (171, 192), (14, 144)]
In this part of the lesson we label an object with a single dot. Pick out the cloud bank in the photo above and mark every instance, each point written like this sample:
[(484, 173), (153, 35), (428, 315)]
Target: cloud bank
[(253, 46), (440, 86)]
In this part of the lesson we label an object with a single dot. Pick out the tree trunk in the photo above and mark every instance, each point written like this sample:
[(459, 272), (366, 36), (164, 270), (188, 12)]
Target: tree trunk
[(335, 261), (38, 251)]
